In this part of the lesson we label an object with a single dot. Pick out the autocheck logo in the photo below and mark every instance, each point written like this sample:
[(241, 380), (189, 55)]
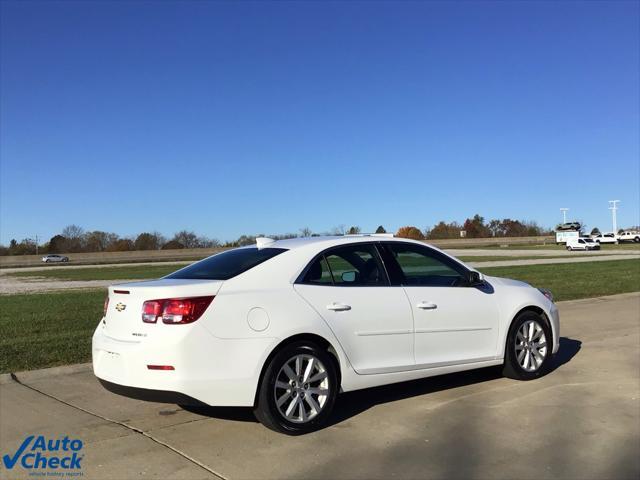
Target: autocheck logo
[(39, 453)]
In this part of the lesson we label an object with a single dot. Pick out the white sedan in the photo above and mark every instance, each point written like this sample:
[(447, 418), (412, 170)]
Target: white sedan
[(284, 326), (52, 257)]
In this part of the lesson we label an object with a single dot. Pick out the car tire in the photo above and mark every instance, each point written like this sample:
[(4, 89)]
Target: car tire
[(280, 409), (519, 354), (568, 249)]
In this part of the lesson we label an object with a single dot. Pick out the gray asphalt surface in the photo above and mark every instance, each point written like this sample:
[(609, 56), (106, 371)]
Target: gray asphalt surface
[(581, 421)]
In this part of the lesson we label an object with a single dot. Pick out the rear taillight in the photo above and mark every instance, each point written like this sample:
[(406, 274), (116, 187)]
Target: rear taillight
[(106, 305), (175, 311), (151, 310)]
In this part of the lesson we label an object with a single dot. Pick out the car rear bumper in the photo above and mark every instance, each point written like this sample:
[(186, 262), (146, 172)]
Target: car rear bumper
[(206, 369), (148, 395)]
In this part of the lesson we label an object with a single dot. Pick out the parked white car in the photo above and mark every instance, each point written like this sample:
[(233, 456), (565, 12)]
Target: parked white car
[(605, 238), (629, 237), (582, 243), (284, 326), (54, 258)]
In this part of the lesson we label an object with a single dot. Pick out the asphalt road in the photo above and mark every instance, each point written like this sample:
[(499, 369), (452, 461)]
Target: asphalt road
[(581, 421)]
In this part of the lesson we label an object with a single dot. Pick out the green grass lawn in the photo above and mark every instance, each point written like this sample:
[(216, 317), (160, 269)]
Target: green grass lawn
[(493, 258), (551, 246), (569, 281), (102, 273), (49, 329), (45, 330)]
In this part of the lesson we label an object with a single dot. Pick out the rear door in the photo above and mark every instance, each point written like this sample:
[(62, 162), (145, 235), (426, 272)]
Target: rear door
[(454, 323), (349, 289)]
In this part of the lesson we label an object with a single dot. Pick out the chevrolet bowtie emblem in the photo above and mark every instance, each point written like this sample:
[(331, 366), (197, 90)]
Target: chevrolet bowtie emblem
[(120, 307)]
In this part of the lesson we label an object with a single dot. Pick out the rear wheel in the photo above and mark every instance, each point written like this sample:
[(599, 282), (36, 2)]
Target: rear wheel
[(298, 390), (528, 348)]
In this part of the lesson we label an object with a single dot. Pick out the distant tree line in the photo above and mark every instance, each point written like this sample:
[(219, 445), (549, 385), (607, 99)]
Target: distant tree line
[(475, 227), (74, 239)]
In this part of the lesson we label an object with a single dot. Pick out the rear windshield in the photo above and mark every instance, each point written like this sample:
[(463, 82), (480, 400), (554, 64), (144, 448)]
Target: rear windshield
[(226, 265)]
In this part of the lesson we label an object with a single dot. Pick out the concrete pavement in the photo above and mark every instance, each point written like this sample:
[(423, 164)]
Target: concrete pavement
[(581, 421)]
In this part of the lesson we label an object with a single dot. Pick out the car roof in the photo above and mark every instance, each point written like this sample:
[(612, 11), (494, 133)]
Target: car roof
[(322, 242)]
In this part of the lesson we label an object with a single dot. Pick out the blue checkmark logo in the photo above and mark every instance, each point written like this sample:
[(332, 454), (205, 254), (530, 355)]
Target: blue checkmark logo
[(10, 462)]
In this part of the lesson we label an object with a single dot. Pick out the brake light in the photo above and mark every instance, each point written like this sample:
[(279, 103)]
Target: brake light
[(106, 305), (175, 311), (151, 310)]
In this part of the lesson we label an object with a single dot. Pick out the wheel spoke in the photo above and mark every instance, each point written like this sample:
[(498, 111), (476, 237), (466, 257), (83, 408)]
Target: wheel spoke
[(284, 385), (315, 408), (539, 333), (531, 327), (317, 377), (283, 398), (309, 369), (526, 360), (290, 373), (298, 365), (303, 412), (289, 411), (538, 356), (521, 356)]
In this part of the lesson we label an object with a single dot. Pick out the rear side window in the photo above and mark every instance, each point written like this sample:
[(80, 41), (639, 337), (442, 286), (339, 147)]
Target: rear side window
[(353, 265), (226, 265)]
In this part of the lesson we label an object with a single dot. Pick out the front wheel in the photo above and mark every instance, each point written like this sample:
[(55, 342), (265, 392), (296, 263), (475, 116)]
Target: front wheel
[(528, 349), (298, 390)]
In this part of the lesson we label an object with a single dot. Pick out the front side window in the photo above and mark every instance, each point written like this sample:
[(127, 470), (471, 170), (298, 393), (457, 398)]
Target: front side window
[(226, 265), (353, 265), (419, 266)]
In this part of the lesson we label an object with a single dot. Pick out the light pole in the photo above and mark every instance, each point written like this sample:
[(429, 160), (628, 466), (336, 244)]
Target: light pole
[(614, 208), (564, 214)]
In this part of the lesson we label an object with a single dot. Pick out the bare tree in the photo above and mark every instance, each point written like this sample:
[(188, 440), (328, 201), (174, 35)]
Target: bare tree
[(339, 230), (306, 232)]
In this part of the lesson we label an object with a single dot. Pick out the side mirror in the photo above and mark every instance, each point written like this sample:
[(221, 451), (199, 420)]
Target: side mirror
[(349, 277), (475, 278)]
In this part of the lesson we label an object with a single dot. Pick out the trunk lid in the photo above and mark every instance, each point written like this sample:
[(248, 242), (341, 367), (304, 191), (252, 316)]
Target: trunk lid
[(123, 320)]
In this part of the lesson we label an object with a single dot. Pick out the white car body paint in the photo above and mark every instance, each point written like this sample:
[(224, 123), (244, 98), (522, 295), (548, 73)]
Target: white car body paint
[(389, 334)]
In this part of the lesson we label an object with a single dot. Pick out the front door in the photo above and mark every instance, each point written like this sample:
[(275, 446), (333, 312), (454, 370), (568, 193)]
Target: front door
[(454, 323)]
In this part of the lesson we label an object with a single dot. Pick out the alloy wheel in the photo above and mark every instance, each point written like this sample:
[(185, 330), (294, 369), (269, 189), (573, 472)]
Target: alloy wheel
[(531, 346), (301, 389)]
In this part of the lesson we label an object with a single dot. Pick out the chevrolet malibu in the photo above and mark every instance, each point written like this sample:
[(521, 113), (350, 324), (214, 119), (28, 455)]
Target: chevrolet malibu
[(284, 326)]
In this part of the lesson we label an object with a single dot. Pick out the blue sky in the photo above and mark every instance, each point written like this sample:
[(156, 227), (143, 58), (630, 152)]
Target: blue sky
[(240, 117)]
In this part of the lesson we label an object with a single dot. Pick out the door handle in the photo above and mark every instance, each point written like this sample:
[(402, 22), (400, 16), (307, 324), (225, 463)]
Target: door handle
[(427, 306), (338, 307)]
